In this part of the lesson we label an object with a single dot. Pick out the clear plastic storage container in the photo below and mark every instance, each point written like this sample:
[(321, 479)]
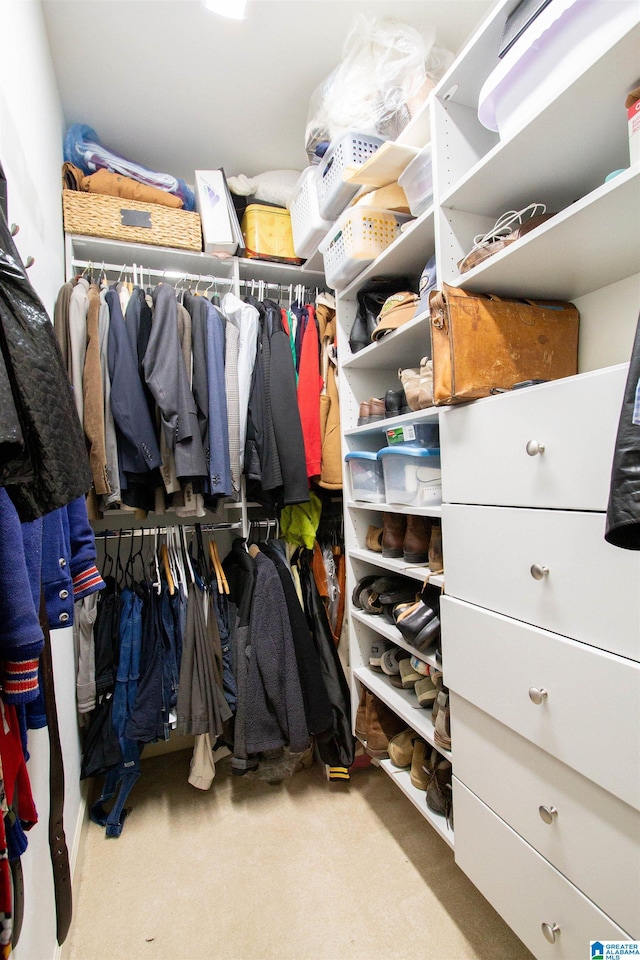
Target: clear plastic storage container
[(345, 152), (412, 475), (307, 225), (367, 481), (359, 236), (418, 434), (417, 181)]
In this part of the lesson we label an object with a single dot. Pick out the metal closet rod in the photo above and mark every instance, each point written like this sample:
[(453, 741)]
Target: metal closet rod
[(142, 271), (188, 528)]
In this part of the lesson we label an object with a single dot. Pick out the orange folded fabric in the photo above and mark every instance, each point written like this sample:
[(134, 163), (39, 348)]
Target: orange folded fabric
[(115, 185)]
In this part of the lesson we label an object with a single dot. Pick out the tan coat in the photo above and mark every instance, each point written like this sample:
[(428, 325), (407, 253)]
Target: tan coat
[(331, 471)]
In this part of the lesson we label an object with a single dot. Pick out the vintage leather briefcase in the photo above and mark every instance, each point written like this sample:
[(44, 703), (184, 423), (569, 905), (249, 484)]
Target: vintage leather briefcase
[(483, 344)]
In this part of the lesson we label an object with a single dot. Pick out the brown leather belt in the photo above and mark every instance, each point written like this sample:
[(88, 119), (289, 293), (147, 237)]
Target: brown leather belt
[(57, 841)]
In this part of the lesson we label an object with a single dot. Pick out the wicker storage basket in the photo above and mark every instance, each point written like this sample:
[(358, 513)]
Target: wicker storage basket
[(95, 215)]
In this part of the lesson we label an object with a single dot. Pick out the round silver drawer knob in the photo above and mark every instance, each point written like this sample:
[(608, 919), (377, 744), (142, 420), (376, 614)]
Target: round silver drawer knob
[(548, 814), (539, 571), (551, 931), (15, 228), (29, 262), (538, 694), (533, 448)]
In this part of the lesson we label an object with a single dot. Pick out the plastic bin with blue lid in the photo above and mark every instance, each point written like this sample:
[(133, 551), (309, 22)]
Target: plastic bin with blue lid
[(367, 481), (412, 475)]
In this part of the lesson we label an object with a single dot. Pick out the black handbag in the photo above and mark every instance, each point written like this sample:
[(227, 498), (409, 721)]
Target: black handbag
[(371, 299)]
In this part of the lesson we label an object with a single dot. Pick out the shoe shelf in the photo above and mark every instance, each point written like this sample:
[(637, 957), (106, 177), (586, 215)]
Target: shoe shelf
[(404, 703), (398, 566), (402, 780), (412, 339), (396, 508), (380, 426), (558, 259), (380, 626)]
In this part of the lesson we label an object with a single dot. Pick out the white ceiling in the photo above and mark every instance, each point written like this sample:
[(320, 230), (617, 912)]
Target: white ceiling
[(175, 87)]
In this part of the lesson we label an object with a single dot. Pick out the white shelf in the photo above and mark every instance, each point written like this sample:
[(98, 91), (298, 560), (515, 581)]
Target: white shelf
[(564, 151), (171, 259), (559, 260), (415, 416), (406, 256), (380, 626), (402, 780), (414, 570), (404, 346)]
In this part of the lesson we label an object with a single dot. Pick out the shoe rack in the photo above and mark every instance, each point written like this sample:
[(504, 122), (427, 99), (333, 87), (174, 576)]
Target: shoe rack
[(537, 608)]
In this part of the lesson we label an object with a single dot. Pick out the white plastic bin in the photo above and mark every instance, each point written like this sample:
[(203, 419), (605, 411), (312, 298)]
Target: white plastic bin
[(367, 481), (345, 152), (550, 54), (359, 236), (307, 225), (412, 475), (417, 181)]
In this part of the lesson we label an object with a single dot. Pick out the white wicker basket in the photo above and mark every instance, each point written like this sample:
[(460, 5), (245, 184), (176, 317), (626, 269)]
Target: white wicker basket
[(347, 151), (306, 223)]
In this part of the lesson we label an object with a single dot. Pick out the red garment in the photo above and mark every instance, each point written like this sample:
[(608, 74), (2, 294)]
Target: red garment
[(309, 388)]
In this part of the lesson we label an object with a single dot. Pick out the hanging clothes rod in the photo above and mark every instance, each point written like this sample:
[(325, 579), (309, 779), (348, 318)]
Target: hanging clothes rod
[(152, 531), (147, 271)]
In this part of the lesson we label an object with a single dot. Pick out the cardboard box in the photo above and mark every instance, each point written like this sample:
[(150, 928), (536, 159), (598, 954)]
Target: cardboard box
[(220, 227), (632, 103)]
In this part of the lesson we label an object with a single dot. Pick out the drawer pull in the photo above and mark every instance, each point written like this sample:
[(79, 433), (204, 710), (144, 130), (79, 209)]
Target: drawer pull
[(538, 695), (29, 262), (533, 448), (15, 228), (538, 571), (548, 814), (551, 931)]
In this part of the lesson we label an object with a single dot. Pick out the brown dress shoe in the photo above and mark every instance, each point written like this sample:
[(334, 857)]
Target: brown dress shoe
[(394, 528), (415, 546), (374, 539), (361, 715)]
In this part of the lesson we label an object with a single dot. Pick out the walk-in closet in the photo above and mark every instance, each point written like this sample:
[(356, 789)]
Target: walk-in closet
[(319, 459)]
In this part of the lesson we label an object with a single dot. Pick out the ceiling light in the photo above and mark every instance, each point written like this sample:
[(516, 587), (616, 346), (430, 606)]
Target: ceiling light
[(234, 9)]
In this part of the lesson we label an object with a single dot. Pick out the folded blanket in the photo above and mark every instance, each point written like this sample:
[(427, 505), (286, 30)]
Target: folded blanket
[(115, 185), (83, 148)]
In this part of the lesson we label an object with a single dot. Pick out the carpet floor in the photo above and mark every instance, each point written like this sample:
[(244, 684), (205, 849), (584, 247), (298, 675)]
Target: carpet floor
[(304, 870)]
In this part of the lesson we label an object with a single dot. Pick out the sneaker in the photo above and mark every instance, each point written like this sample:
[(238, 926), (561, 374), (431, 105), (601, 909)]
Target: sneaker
[(420, 666), (377, 652), (401, 748), (419, 777), (391, 660), (426, 691), (408, 674), (442, 733)]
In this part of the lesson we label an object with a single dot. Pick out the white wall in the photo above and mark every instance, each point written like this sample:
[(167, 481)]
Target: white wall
[(31, 134)]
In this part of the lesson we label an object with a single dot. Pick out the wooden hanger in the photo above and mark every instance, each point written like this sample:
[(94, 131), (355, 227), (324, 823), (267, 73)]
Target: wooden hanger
[(164, 554), (225, 585)]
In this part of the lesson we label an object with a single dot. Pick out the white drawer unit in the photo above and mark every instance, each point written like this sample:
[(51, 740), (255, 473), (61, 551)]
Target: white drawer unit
[(551, 568), (580, 704), (549, 914), (544, 446), (554, 808)]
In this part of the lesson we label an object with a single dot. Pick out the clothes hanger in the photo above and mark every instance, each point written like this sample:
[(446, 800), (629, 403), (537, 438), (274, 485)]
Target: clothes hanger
[(185, 554), (166, 565), (215, 564), (108, 559), (154, 566), (119, 568)]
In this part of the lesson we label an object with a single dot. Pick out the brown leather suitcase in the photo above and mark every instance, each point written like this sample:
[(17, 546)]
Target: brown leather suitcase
[(483, 344)]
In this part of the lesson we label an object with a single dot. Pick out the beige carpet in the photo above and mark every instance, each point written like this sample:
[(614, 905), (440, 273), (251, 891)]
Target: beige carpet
[(306, 870)]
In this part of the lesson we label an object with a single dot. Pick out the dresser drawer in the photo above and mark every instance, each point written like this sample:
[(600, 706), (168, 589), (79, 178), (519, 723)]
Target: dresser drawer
[(590, 718), (484, 444), (589, 826), (522, 886), (591, 591)]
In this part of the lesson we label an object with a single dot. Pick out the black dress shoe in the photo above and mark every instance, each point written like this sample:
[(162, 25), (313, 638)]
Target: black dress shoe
[(395, 403)]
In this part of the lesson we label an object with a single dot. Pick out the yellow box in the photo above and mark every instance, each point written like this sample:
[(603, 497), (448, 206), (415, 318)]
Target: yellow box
[(267, 233)]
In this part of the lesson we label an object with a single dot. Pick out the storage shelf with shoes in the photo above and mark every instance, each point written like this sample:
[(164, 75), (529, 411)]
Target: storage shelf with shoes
[(402, 779), (411, 338), (404, 703), (429, 414), (417, 571), (391, 633)]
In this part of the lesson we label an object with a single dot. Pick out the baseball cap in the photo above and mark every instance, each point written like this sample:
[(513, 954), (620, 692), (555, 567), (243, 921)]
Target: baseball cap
[(396, 310)]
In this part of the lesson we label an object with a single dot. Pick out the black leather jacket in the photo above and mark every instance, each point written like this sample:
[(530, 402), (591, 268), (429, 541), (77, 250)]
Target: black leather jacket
[(623, 514), (43, 458)]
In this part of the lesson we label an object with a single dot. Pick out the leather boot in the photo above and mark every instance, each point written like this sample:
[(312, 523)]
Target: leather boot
[(415, 546), (435, 549), (394, 527), (382, 725), (361, 715)]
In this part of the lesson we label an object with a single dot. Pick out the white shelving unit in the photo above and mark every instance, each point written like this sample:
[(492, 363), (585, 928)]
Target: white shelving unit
[(587, 252)]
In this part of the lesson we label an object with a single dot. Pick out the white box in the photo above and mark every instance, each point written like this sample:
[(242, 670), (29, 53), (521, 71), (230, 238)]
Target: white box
[(633, 115), (213, 202), (412, 475)]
